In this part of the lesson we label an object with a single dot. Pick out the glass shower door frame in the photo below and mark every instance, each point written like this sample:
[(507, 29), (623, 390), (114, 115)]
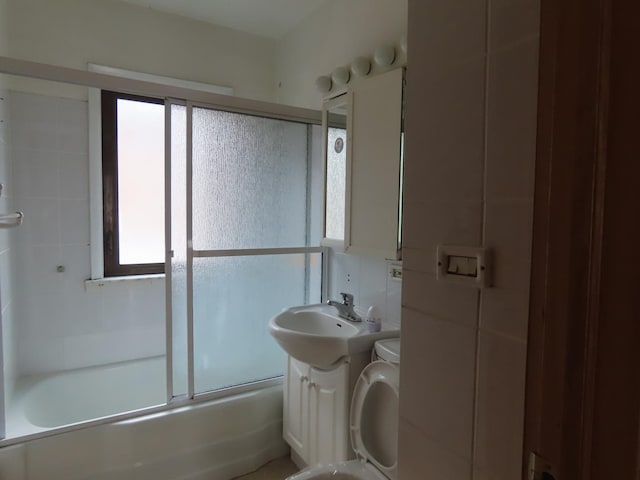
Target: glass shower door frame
[(192, 253)]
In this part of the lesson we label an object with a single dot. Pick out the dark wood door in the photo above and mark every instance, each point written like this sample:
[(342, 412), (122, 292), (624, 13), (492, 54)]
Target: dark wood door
[(583, 374)]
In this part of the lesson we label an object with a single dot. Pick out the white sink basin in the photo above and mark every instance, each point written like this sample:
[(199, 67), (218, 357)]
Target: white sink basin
[(316, 335)]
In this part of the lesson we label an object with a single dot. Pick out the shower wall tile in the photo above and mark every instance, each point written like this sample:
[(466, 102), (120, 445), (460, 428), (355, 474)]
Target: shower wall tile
[(61, 323), (7, 264), (37, 355), (41, 225), (10, 353), (99, 349), (36, 172), (74, 218), (6, 284), (73, 175), (4, 113)]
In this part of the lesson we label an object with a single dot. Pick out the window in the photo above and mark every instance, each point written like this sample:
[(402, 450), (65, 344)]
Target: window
[(133, 184)]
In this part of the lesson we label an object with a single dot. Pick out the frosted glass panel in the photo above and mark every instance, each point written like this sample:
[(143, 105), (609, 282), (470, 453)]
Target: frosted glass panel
[(249, 181), (234, 298), (336, 175), (179, 247), (140, 156)]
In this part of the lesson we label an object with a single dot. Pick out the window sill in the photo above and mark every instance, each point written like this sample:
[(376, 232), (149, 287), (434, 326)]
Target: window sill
[(105, 282)]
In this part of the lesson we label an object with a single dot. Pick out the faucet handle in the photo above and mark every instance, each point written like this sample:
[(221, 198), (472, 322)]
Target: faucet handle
[(347, 298)]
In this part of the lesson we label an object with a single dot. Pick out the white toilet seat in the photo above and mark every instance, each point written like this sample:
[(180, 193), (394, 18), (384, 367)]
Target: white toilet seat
[(379, 379)]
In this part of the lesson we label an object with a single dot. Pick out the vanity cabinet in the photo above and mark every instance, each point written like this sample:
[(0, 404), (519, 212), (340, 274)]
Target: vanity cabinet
[(368, 120), (316, 411)]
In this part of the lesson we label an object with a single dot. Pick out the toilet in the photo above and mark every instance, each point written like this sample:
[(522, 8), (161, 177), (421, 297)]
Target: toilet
[(373, 422)]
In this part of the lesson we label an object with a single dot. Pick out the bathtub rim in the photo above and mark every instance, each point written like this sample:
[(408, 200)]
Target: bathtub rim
[(174, 404)]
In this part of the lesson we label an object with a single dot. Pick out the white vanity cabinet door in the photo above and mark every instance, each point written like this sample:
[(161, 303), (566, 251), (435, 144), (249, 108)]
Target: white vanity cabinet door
[(296, 407), (329, 415)]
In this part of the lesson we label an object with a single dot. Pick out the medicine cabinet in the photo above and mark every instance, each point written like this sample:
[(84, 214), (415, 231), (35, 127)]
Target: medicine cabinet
[(363, 143)]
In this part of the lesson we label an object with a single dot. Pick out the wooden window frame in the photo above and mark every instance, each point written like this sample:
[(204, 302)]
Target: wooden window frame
[(111, 234)]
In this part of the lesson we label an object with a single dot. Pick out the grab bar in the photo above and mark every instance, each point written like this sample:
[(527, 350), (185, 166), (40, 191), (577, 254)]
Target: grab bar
[(15, 219)]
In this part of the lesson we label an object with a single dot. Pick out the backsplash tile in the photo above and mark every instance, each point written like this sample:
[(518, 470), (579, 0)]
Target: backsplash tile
[(367, 279)]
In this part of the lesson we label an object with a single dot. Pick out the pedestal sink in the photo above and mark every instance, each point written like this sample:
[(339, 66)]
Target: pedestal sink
[(316, 335)]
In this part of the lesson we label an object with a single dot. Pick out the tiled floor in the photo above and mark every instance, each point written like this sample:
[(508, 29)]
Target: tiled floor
[(277, 469)]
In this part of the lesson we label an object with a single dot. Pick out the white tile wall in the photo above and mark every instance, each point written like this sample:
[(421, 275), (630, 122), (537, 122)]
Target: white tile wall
[(454, 136), (499, 409), (420, 451), (471, 132), (438, 359), (62, 324)]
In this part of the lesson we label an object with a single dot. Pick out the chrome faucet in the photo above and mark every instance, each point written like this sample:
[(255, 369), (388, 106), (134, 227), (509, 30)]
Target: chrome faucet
[(346, 308)]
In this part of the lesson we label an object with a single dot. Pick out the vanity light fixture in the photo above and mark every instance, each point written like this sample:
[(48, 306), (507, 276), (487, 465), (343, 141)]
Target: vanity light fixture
[(340, 76), (384, 55), (361, 66), (323, 84)]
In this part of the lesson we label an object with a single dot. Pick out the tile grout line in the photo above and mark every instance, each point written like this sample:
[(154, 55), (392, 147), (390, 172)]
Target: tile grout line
[(476, 389)]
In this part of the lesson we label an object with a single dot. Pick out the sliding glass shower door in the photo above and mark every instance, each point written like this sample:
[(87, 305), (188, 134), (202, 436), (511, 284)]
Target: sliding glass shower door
[(241, 247)]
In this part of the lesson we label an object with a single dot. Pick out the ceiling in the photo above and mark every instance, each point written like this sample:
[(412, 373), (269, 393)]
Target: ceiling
[(267, 18)]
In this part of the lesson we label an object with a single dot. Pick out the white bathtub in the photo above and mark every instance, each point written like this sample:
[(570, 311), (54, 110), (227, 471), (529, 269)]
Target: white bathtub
[(211, 440)]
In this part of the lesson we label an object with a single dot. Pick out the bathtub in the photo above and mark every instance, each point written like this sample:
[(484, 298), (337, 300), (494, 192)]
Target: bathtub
[(216, 439)]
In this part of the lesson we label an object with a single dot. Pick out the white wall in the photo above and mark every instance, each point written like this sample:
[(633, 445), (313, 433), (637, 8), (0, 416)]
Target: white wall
[(331, 37), (72, 33), (471, 130)]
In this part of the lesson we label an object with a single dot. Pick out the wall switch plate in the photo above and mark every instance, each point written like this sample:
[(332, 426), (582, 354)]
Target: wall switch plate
[(464, 265), (395, 271)]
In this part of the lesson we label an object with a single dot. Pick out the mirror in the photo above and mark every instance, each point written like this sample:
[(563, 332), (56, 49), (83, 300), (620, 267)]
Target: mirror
[(335, 119)]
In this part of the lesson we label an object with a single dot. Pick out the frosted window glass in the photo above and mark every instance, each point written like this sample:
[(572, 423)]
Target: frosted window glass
[(234, 298), (179, 247), (336, 176), (249, 181), (140, 181)]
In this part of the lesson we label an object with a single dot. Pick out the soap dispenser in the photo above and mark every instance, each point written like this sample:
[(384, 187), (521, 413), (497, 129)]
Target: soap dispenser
[(373, 319)]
